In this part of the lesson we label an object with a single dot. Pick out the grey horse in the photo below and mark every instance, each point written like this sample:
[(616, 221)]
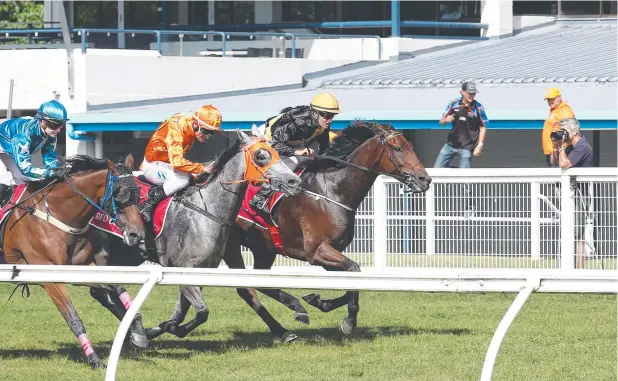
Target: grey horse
[(198, 223)]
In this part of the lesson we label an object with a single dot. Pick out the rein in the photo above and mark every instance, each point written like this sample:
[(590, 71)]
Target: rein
[(383, 141), (61, 225)]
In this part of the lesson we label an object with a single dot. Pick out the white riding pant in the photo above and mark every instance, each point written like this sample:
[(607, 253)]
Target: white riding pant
[(10, 174), (160, 173)]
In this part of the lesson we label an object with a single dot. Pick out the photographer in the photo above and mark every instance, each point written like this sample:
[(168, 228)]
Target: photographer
[(571, 149)]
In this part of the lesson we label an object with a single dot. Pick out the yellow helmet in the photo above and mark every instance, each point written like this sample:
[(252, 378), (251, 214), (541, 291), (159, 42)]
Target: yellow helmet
[(325, 102)]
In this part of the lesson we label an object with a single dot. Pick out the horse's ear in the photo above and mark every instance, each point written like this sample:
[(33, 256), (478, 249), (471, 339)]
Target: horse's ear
[(111, 165), (129, 162), (258, 131), (244, 138)]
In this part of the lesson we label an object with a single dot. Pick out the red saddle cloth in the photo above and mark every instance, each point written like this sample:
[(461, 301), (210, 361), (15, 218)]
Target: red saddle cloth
[(18, 191), (101, 220), (248, 213)]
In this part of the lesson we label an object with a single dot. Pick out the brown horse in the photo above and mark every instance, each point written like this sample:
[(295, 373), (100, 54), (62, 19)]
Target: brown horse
[(49, 226), (317, 227)]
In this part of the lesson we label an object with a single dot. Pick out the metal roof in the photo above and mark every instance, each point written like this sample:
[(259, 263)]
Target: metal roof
[(514, 106), (558, 54)]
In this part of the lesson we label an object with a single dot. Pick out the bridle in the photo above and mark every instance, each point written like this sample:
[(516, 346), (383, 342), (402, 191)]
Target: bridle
[(383, 143)]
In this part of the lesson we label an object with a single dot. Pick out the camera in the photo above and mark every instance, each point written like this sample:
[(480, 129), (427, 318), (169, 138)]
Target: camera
[(559, 135)]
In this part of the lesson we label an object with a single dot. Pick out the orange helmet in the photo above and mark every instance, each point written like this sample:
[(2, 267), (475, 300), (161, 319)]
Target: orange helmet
[(208, 117)]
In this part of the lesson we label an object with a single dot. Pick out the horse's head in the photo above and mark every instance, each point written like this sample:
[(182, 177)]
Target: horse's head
[(263, 165), (399, 159), (121, 198), (379, 148)]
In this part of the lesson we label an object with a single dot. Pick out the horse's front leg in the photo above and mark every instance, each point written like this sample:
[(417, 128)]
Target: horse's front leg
[(115, 297), (333, 260)]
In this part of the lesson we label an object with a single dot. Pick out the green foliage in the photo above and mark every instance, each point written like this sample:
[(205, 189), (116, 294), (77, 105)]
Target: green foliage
[(16, 15), (21, 12)]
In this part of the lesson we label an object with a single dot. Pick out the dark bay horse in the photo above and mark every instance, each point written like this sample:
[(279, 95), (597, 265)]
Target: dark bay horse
[(198, 223), (69, 201), (317, 229)]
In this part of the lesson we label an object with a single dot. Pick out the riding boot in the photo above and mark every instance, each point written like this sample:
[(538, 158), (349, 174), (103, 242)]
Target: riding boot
[(155, 195), (260, 200), (4, 190)]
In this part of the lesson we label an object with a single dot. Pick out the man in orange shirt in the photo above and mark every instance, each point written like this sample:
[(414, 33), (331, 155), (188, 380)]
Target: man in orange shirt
[(164, 163), (558, 110)]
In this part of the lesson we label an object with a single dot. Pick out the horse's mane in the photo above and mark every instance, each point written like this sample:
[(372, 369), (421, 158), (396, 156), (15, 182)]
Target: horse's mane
[(346, 141), (219, 163), (68, 166)]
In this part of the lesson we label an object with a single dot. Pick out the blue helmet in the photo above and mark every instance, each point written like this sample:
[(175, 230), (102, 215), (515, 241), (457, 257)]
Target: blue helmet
[(52, 110)]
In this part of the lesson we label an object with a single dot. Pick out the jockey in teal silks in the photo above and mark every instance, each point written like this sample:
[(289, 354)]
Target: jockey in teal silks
[(20, 138)]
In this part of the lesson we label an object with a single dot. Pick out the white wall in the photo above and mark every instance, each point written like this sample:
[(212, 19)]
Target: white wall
[(113, 79), (521, 23), (498, 14), (37, 74), (355, 49)]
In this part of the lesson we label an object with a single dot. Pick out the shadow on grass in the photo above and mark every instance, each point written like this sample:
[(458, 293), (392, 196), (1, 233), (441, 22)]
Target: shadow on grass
[(193, 344)]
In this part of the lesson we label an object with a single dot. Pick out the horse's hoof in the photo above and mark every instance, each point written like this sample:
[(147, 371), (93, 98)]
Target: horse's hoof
[(180, 332), (95, 362), (347, 328), (137, 333), (288, 337), (302, 317), (312, 299), (139, 340), (153, 333)]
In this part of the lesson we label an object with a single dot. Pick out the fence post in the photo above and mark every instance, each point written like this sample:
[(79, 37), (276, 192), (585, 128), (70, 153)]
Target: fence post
[(430, 220), (84, 38), (380, 227), (158, 33), (567, 224), (156, 274), (535, 222)]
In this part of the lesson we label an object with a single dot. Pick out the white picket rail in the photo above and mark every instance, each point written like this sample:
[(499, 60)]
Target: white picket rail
[(523, 282), (523, 218)]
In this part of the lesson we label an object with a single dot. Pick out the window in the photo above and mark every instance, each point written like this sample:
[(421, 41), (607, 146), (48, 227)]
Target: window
[(447, 11), (541, 8), (609, 8), (143, 14), (309, 11), (566, 7), (96, 14), (234, 12), (581, 8)]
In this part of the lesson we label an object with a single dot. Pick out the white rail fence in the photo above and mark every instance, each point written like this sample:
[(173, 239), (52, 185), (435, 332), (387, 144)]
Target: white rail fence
[(488, 218), (523, 282)]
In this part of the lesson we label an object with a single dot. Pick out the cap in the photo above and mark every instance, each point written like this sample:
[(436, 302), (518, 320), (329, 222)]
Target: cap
[(552, 93), (469, 87)]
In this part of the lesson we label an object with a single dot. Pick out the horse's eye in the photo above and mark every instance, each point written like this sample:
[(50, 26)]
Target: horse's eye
[(122, 195), (262, 157), (397, 148)]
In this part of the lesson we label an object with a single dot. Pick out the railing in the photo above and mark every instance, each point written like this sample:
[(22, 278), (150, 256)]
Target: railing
[(488, 218), (84, 32), (432, 280), (158, 34)]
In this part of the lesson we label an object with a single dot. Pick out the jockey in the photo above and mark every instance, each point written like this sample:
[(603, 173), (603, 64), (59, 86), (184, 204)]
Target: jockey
[(299, 132), (20, 138), (164, 163)]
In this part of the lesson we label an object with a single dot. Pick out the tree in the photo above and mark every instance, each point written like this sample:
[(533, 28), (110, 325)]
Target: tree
[(17, 15), (20, 12)]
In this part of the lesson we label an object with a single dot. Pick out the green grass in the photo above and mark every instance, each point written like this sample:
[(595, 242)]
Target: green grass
[(451, 261), (401, 336)]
